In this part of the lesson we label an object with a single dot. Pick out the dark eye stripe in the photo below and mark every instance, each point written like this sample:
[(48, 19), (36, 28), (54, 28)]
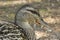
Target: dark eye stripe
[(34, 12)]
